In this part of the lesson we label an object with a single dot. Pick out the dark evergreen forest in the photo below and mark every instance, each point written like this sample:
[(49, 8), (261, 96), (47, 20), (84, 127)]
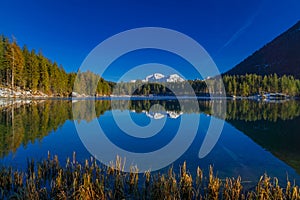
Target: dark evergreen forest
[(21, 68)]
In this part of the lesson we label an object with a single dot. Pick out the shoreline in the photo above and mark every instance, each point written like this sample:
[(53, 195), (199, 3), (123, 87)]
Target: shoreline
[(8, 94), (116, 97)]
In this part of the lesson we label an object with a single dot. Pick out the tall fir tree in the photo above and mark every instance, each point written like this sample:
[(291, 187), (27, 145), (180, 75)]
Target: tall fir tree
[(14, 64), (43, 83)]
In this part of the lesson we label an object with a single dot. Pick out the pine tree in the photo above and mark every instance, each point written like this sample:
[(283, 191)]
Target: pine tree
[(34, 71), (30, 73), (14, 63), (2, 58), (43, 83)]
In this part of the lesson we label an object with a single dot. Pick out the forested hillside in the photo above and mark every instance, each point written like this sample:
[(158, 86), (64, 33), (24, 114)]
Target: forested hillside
[(237, 85), (251, 84), (280, 56), (21, 68)]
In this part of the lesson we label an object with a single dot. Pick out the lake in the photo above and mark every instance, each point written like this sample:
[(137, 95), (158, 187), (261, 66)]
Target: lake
[(257, 137)]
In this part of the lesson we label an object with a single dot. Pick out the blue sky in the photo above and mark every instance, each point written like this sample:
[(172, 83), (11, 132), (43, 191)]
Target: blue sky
[(66, 31)]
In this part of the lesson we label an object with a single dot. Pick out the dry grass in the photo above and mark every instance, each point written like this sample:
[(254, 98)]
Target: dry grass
[(49, 180)]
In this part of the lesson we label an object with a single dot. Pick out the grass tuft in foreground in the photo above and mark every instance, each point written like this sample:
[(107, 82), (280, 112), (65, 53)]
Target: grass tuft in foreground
[(49, 180)]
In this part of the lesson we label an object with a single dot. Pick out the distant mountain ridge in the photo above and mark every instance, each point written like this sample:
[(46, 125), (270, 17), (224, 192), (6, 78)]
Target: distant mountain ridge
[(160, 78), (280, 56)]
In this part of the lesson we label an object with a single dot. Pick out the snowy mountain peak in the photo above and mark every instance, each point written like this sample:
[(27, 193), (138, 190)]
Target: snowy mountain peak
[(158, 77), (175, 78), (154, 77)]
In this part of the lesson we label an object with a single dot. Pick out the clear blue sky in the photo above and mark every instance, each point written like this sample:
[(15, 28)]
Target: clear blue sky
[(66, 31)]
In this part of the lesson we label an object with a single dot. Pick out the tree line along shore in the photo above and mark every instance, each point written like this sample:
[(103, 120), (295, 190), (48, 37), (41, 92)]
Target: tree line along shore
[(26, 73)]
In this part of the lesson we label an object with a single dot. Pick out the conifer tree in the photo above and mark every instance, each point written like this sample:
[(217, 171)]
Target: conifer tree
[(14, 63)]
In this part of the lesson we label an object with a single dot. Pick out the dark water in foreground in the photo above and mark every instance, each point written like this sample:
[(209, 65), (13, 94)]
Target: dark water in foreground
[(257, 137)]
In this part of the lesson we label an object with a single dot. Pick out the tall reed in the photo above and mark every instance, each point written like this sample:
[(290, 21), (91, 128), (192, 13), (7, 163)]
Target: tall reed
[(49, 180)]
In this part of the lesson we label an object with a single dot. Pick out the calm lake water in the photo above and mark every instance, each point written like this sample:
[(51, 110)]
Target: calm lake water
[(257, 138)]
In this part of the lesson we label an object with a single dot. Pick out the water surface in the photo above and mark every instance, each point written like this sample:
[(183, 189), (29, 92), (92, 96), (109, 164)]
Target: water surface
[(257, 138)]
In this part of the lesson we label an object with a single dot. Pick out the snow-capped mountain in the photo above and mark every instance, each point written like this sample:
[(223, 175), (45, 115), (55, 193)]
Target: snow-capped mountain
[(157, 77), (160, 78), (174, 78)]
